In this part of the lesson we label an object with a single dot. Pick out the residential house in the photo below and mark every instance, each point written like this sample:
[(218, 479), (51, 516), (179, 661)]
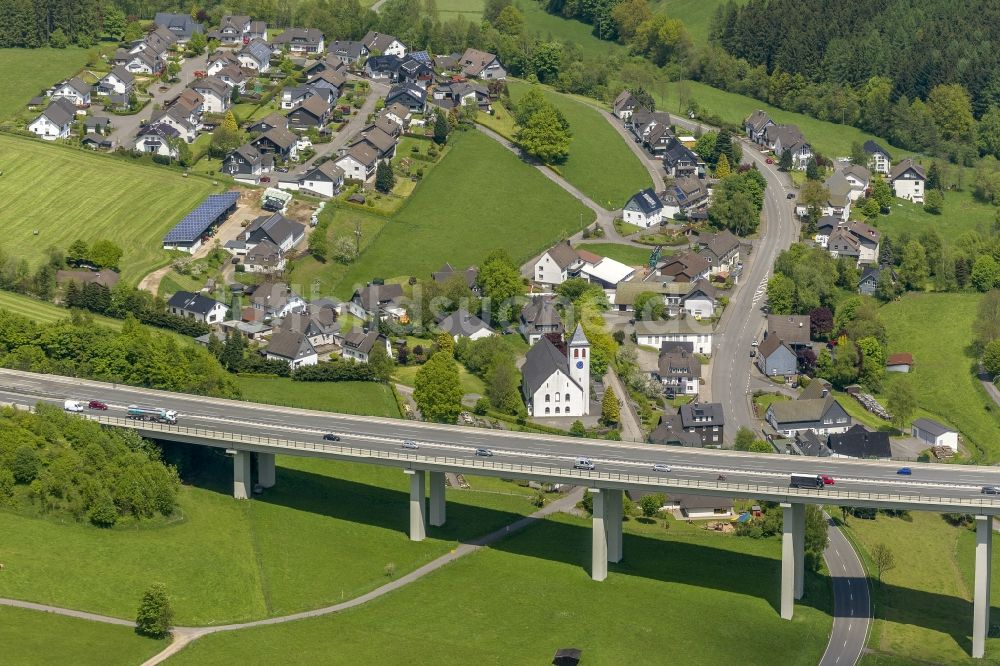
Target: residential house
[(255, 56), (603, 271), (815, 410), (278, 142), (899, 362), (839, 203), (247, 164), (383, 144), (144, 62), (788, 137), (670, 432), (417, 72), (776, 359), (860, 443), (292, 347), (859, 179), (454, 94), (705, 419), (624, 105), (655, 333), (55, 121), (463, 324), (347, 52), (74, 90), (359, 163), (359, 344), (556, 376), (382, 67), (182, 26), (686, 194), (275, 299), (482, 65), (377, 301), (644, 209), (793, 330), (220, 59), (671, 292), (328, 83), (680, 161), (643, 121), (270, 121), (198, 307), (557, 264), (233, 29), (871, 278), (325, 180), (96, 141), (298, 41), (538, 319), (721, 251), (843, 244), (382, 44), (311, 112), (849, 239), (119, 81), (216, 95), (258, 31), (159, 41), (933, 433), (908, 180), (398, 114), (157, 139), (233, 77), (180, 117), (385, 124), (294, 95), (756, 126), (879, 159), (679, 370), (700, 507), (687, 267), (825, 226), (658, 140), (264, 257), (276, 228), (469, 276), (700, 301), (318, 322), (410, 95), (808, 443)]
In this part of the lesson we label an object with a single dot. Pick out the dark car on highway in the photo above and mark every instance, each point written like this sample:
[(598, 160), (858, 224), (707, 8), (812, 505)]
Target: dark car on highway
[(330, 437), (96, 404)]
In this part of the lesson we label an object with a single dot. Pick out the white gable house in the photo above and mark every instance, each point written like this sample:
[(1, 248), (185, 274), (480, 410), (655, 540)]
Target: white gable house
[(644, 209)]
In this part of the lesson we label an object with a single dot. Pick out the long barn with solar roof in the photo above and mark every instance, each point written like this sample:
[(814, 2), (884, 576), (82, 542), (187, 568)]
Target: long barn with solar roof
[(194, 229)]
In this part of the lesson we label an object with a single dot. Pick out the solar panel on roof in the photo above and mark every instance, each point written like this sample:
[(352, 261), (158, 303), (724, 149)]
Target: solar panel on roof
[(201, 218)]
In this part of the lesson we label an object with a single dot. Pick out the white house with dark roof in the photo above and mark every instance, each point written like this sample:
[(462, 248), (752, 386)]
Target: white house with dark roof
[(463, 324), (624, 105), (292, 347), (644, 209), (119, 81), (410, 95), (700, 300), (557, 264), (679, 370), (220, 59), (756, 125), (346, 52), (908, 180), (859, 179), (275, 299), (300, 41), (879, 159), (74, 90), (232, 29), (377, 301), (255, 56), (360, 343), (246, 164), (181, 25), (276, 228), (538, 319), (788, 137), (326, 180), (143, 62), (556, 377), (198, 307), (482, 65), (216, 95), (359, 163), (680, 161), (381, 43), (264, 257), (157, 139), (55, 121)]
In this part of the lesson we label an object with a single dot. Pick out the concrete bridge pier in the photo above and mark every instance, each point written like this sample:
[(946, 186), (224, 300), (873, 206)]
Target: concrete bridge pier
[(438, 506), (242, 480), (981, 602), (607, 530), (792, 556), (265, 470), (418, 505)]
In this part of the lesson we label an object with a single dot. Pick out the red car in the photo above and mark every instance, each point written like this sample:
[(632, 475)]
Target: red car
[(827, 480), (769, 160), (97, 404)]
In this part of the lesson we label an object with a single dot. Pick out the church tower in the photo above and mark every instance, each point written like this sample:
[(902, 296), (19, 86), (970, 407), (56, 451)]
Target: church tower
[(578, 358)]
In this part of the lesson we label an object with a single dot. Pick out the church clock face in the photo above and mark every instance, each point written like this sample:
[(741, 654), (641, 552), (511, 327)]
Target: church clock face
[(579, 365)]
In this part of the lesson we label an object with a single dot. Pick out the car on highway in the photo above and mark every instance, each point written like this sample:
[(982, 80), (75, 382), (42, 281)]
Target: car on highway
[(769, 160), (73, 406), (660, 467), (790, 195), (904, 471), (485, 453), (827, 479), (410, 444), (330, 437), (584, 463), (991, 490), (753, 352), (97, 404), (755, 343)]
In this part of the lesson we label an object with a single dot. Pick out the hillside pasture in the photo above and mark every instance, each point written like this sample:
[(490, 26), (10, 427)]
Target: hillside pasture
[(27, 72)]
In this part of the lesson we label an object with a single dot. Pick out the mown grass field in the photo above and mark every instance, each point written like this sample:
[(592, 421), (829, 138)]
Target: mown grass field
[(937, 329), (42, 312), (599, 162), (522, 599), (67, 194), (323, 534), (695, 14), (961, 214), (923, 609), (30, 637), (364, 398), (551, 27), (480, 198), (27, 72), (627, 254)]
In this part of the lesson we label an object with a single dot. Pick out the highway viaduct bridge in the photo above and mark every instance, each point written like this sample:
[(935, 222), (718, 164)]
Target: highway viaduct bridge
[(255, 431)]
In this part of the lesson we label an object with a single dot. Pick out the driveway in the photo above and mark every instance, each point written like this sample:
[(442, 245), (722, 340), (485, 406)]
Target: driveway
[(125, 127), (630, 425)]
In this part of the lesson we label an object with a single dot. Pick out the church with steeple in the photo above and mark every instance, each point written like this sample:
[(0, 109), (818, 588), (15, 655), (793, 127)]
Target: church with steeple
[(556, 376)]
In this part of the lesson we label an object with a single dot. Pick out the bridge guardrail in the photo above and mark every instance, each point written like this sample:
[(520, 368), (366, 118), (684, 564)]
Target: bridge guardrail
[(751, 489)]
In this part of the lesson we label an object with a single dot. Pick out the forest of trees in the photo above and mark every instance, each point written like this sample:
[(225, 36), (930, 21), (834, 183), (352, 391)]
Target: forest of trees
[(53, 463)]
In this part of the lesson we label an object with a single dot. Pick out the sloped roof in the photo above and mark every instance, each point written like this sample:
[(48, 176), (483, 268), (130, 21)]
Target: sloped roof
[(678, 363), (904, 166), (646, 201), (670, 430), (800, 411), (185, 300), (328, 169), (377, 41), (563, 254), (373, 295), (475, 61), (289, 344), (60, 111), (463, 323), (933, 428), (541, 312), (541, 361), (757, 120), (700, 414), (770, 345), (793, 329), (901, 358), (363, 153), (275, 227), (361, 341), (858, 442), (871, 147), (302, 35), (314, 105)]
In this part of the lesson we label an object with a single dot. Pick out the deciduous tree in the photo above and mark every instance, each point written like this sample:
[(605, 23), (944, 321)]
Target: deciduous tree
[(437, 389), (883, 559), (155, 616), (610, 409), (902, 402)]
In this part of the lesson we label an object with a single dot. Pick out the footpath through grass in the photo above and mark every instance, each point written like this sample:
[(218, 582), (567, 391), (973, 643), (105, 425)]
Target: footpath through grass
[(66, 194), (599, 164), (923, 608), (27, 72), (527, 596), (323, 534), (481, 197), (937, 329), (364, 398), (31, 637)]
